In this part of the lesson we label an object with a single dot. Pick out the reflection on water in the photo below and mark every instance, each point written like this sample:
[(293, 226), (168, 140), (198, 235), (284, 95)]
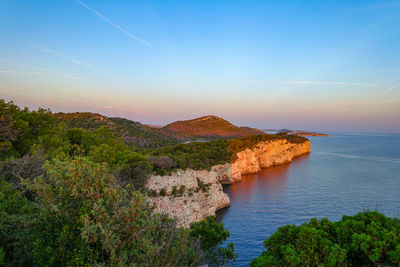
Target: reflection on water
[(321, 184), (271, 180)]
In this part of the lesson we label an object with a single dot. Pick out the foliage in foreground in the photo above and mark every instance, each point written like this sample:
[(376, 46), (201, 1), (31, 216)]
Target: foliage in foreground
[(81, 216), (366, 239), (212, 234)]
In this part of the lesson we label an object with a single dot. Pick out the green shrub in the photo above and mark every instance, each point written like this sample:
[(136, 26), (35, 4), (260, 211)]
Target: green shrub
[(86, 218), (18, 217), (182, 189), (211, 235), (174, 191), (2, 255), (163, 193), (366, 239)]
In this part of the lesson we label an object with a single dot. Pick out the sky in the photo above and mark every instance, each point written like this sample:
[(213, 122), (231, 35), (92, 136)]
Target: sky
[(311, 65)]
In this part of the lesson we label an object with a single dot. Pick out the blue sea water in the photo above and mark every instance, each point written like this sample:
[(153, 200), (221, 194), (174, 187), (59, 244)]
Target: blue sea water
[(344, 174)]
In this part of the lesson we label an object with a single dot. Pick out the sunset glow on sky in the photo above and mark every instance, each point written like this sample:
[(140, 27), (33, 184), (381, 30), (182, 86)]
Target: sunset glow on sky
[(312, 65)]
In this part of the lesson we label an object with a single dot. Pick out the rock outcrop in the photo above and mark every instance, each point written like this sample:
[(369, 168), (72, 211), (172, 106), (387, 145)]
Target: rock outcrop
[(192, 195)]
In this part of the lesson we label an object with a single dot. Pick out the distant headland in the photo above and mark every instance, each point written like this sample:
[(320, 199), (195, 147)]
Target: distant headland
[(296, 132)]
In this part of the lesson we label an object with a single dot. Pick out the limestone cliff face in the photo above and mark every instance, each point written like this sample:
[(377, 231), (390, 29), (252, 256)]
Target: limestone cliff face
[(192, 195), (197, 193), (266, 154)]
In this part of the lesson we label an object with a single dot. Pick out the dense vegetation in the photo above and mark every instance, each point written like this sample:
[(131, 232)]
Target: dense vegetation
[(195, 155), (132, 150), (366, 239), (71, 194), (133, 133), (71, 191)]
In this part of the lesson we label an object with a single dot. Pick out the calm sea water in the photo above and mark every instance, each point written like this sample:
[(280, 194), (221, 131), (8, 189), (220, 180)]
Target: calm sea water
[(343, 174)]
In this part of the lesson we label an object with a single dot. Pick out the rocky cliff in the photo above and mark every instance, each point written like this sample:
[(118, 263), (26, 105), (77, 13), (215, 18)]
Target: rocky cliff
[(192, 195), (264, 155), (189, 195)]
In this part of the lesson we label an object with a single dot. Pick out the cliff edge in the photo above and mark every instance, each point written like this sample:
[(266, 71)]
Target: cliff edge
[(192, 195), (189, 195), (264, 155)]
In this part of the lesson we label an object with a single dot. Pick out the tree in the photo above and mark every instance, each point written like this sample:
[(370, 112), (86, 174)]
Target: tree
[(366, 239), (86, 218), (20, 129), (17, 219), (211, 235)]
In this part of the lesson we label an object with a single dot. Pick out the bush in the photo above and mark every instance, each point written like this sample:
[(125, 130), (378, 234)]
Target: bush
[(211, 235), (163, 193), (163, 162), (366, 239), (18, 218), (2, 254), (174, 191), (182, 190), (86, 218)]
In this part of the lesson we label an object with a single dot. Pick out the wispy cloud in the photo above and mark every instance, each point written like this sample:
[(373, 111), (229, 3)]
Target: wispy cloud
[(39, 70), (311, 83), (105, 107), (20, 72), (113, 24), (59, 55), (69, 76)]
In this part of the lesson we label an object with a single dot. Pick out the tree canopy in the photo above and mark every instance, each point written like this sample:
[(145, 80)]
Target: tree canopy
[(365, 239)]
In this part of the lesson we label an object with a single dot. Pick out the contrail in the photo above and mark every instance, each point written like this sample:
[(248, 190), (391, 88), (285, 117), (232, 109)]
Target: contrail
[(384, 92), (371, 98), (78, 62), (69, 76), (113, 24)]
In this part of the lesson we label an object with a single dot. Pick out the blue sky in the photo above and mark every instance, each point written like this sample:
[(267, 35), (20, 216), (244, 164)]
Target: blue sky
[(318, 65)]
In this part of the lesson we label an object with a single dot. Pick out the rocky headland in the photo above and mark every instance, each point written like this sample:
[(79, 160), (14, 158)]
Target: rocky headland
[(297, 132), (192, 195)]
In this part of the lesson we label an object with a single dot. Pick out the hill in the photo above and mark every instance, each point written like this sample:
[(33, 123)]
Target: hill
[(210, 127), (133, 133)]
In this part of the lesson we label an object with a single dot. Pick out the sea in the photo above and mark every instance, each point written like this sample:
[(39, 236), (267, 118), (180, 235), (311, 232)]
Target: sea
[(344, 174)]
